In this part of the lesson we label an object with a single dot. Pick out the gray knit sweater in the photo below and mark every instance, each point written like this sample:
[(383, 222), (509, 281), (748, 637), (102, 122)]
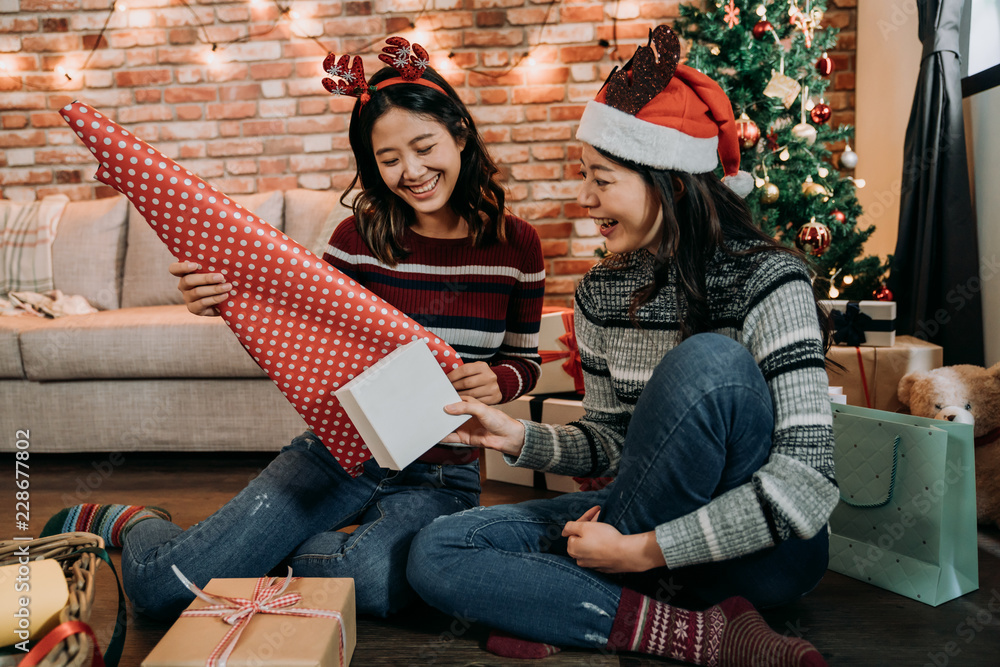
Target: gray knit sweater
[(762, 300)]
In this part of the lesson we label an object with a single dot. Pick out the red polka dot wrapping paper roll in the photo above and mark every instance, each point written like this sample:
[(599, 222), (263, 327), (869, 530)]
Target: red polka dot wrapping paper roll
[(306, 324)]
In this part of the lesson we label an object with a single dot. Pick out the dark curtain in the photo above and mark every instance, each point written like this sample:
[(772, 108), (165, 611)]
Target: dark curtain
[(935, 270)]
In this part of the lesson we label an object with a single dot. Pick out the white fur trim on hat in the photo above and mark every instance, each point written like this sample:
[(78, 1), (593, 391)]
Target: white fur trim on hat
[(625, 136), (741, 183)]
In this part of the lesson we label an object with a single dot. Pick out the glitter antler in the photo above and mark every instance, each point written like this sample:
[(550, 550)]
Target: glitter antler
[(649, 72), (409, 60), (351, 75)]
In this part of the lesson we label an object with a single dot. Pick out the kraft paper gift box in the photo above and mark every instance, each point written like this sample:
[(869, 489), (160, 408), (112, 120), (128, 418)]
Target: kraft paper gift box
[(397, 405), (879, 369), (560, 358), (545, 410), (268, 639), (871, 323)]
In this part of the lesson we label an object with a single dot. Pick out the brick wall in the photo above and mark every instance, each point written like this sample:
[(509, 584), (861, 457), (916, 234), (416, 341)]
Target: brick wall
[(257, 118)]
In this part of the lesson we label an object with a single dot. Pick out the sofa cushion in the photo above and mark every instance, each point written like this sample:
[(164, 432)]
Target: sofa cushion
[(89, 250), (11, 328), (337, 215), (148, 342), (147, 279), (306, 212), (27, 230)]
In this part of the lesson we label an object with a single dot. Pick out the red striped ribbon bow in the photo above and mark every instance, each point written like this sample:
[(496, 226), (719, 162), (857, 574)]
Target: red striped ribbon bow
[(268, 598)]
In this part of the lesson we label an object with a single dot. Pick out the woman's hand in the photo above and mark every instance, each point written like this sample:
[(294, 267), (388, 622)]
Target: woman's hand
[(476, 380), (488, 428), (600, 546), (201, 291)]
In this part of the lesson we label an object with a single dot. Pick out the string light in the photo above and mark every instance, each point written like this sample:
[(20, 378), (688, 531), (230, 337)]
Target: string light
[(761, 11), (834, 292), (784, 155), (823, 172), (61, 71), (121, 7), (848, 280)]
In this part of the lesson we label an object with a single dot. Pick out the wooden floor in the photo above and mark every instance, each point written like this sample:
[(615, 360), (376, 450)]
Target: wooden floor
[(851, 623)]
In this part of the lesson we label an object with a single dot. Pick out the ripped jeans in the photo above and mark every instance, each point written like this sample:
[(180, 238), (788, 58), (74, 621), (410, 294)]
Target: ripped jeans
[(290, 515), (702, 426)]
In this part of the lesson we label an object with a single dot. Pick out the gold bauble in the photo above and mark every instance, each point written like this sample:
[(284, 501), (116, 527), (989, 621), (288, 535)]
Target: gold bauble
[(769, 193)]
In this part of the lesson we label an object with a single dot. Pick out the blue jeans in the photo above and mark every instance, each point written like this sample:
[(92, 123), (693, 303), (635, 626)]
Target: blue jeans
[(702, 425), (290, 515)]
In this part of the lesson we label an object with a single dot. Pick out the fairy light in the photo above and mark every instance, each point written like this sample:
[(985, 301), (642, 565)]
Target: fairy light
[(784, 155), (859, 183), (834, 292), (759, 182), (848, 280), (823, 172), (761, 11), (121, 7), (62, 71)]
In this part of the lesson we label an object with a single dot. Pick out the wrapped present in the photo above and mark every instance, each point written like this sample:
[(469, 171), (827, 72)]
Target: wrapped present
[(871, 323), (561, 369), (397, 405), (307, 325), (548, 411), (871, 375), (266, 621)]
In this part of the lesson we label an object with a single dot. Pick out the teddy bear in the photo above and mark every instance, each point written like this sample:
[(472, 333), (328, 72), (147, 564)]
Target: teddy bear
[(968, 395)]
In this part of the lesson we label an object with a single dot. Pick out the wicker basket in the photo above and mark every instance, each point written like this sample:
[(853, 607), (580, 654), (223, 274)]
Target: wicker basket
[(75, 650)]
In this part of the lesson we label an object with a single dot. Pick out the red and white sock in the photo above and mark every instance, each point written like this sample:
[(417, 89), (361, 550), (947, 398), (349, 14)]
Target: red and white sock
[(729, 634), (508, 646)]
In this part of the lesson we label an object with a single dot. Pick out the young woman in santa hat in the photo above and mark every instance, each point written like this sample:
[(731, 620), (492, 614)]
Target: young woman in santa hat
[(430, 235), (706, 397)]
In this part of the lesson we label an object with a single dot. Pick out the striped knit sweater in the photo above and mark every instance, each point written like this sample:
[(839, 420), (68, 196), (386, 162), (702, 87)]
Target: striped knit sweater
[(764, 301), (485, 302)]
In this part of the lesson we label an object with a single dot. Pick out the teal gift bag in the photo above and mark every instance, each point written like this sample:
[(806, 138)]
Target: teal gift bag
[(906, 520)]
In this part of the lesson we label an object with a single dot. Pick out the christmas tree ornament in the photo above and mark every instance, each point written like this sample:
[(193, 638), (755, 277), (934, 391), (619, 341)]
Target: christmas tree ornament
[(813, 238), (747, 131), (807, 22), (824, 66), (783, 87), (848, 159), (813, 189), (820, 113), (732, 17), (882, 293), (839, 216), (761, 28), (308, 326), (769, 193), (805, 132)]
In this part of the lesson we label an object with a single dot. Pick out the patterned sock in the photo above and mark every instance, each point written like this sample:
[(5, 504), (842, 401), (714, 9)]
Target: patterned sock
[(111, 522), (508, 646), (730, 634)]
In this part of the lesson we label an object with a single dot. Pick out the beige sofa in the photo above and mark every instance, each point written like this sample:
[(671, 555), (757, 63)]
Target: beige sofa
[(143, 373)]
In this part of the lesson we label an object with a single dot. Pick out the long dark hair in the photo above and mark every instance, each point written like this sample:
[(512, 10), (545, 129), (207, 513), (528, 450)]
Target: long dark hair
[(382, 217), (707, 215)]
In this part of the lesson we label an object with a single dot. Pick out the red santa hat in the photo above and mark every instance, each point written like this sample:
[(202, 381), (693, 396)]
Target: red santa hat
[(658, 113)]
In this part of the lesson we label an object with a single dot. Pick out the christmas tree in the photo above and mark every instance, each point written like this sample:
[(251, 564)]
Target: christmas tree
[(770, 58)]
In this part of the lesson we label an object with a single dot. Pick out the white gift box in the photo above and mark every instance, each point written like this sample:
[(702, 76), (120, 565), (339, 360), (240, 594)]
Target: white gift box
[(397, 405), (552, 411), (880, 331), (553, 379)]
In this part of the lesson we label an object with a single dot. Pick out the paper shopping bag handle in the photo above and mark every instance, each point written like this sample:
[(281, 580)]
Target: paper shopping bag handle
[(892, 482)]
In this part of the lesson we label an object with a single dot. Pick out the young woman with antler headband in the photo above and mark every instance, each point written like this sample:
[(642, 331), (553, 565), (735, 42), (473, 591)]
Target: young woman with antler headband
[(706, 398), (430, 235)]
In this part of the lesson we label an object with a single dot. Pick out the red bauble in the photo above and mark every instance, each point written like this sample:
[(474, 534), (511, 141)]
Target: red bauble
[(813, 238), (820, 113), (824, 66), (747, 131), (883, 293), (762, 28), (839, 216)]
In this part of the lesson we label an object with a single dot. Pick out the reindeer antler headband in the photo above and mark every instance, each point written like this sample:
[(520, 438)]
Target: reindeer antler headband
[(409, 60), (664, 115)]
